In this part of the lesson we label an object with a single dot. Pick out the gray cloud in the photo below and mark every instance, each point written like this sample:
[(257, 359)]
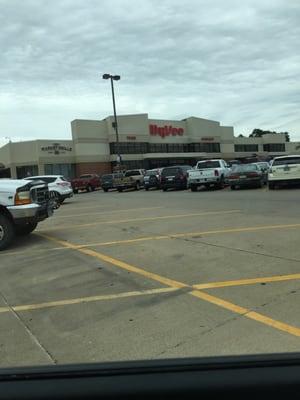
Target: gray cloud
[(236, 62)]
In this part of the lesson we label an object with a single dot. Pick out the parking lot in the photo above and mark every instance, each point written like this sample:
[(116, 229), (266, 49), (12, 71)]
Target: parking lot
[(145, 275)]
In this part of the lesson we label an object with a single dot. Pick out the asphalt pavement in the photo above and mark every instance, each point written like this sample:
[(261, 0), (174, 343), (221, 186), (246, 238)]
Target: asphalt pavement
[(145, 275)]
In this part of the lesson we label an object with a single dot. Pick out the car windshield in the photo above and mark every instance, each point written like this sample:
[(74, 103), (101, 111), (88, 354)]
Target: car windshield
[(244, 168), (107, 177), (132, 173), (161, 232), (286, 161), (152, 172), (208, 164), (170, 171)]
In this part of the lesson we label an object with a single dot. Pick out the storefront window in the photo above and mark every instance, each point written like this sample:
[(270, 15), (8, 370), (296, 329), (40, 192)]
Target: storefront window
[(27, 170), (143, 147), (274, 147), (67, 170), (129, 148), (246, 147)]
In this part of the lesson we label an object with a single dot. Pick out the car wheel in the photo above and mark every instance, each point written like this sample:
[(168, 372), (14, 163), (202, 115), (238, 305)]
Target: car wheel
[(89, 188), (137, 186), (56, 199), (120, 190), (75, 191), (220, 185), (232, 187), (164, 189), (105, 190), (193, 188), (26, 229), (146, 188), (260, 184), (7, 231), (271, 186)]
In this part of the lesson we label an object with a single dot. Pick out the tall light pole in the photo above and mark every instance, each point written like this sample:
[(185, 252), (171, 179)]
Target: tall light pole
[(115, 124)]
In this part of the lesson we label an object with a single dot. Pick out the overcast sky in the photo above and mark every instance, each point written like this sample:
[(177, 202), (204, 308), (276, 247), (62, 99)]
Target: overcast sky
[(237, 62)]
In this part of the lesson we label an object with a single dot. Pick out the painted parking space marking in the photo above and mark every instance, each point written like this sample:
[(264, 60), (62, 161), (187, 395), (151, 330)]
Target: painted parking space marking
[(188, 234), (81, 300), (155, 237), (119, 221), (250, 281), (105, 212), (247, 313)]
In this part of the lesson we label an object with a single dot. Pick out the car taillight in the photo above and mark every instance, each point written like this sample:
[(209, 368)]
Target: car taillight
[(216, 172), (253, 174), (233, 176), (63, 183)]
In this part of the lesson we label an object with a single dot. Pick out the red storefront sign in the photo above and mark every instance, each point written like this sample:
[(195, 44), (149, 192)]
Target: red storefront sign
[(164, 131)]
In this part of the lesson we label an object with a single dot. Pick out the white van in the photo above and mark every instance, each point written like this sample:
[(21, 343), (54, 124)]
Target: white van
[(284, 170)]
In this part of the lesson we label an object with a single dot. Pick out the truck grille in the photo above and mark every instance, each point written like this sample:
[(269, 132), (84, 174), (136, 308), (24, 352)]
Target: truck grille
[(40, 195)]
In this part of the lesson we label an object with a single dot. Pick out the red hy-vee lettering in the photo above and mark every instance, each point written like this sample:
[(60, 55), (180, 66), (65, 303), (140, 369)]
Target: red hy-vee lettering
[(164, 131)]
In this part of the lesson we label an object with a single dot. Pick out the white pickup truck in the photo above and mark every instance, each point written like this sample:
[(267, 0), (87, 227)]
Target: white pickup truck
[(22, 205), (207, 173)]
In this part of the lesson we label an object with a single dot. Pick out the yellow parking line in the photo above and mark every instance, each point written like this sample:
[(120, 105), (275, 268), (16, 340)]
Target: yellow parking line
[(149, 238), (251, 281), (119, 263), (188, 234), (119, 221), (176, 284), (105, 212), (292, 330), (29, 307)]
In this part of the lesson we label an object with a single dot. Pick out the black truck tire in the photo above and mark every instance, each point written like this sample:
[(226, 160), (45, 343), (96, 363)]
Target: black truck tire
[(193, 188), (26, 229), (7, 231), (271, 185)]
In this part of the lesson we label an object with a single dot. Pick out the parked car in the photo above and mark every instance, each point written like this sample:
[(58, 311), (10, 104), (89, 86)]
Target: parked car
[(23, 204), (58, 186), (246, 175), (264, 165), (174, 177), (207, 173), (152, 178), (230, 163), (108, 181), (88, 182), (284, 170), (132, 179)]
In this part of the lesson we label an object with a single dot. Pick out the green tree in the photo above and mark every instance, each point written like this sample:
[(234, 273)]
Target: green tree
[(260, 132)]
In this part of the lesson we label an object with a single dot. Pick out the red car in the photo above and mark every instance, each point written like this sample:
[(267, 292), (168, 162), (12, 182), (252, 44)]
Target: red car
[(88, 182)]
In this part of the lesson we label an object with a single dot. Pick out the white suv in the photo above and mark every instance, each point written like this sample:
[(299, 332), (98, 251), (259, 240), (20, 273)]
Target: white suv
[(284, 170), (57, 184)]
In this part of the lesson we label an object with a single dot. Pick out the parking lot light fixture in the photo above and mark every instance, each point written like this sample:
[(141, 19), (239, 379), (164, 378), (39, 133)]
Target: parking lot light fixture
[(115, 124)]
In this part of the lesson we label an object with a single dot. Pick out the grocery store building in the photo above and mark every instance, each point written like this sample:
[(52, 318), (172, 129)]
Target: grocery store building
[(143, 143)]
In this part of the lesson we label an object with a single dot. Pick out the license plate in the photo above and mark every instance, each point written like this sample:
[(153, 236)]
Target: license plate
[(170, 179)]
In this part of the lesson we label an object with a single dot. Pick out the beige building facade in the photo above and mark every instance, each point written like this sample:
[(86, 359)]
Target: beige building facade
[(143, 143)]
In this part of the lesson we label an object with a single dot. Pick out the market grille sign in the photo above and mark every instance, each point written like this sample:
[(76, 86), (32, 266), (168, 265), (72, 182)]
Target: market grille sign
[(56, 149)]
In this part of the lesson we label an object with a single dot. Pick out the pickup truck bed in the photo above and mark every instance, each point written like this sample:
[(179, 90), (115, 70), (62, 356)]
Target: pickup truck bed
[(207, 173)]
